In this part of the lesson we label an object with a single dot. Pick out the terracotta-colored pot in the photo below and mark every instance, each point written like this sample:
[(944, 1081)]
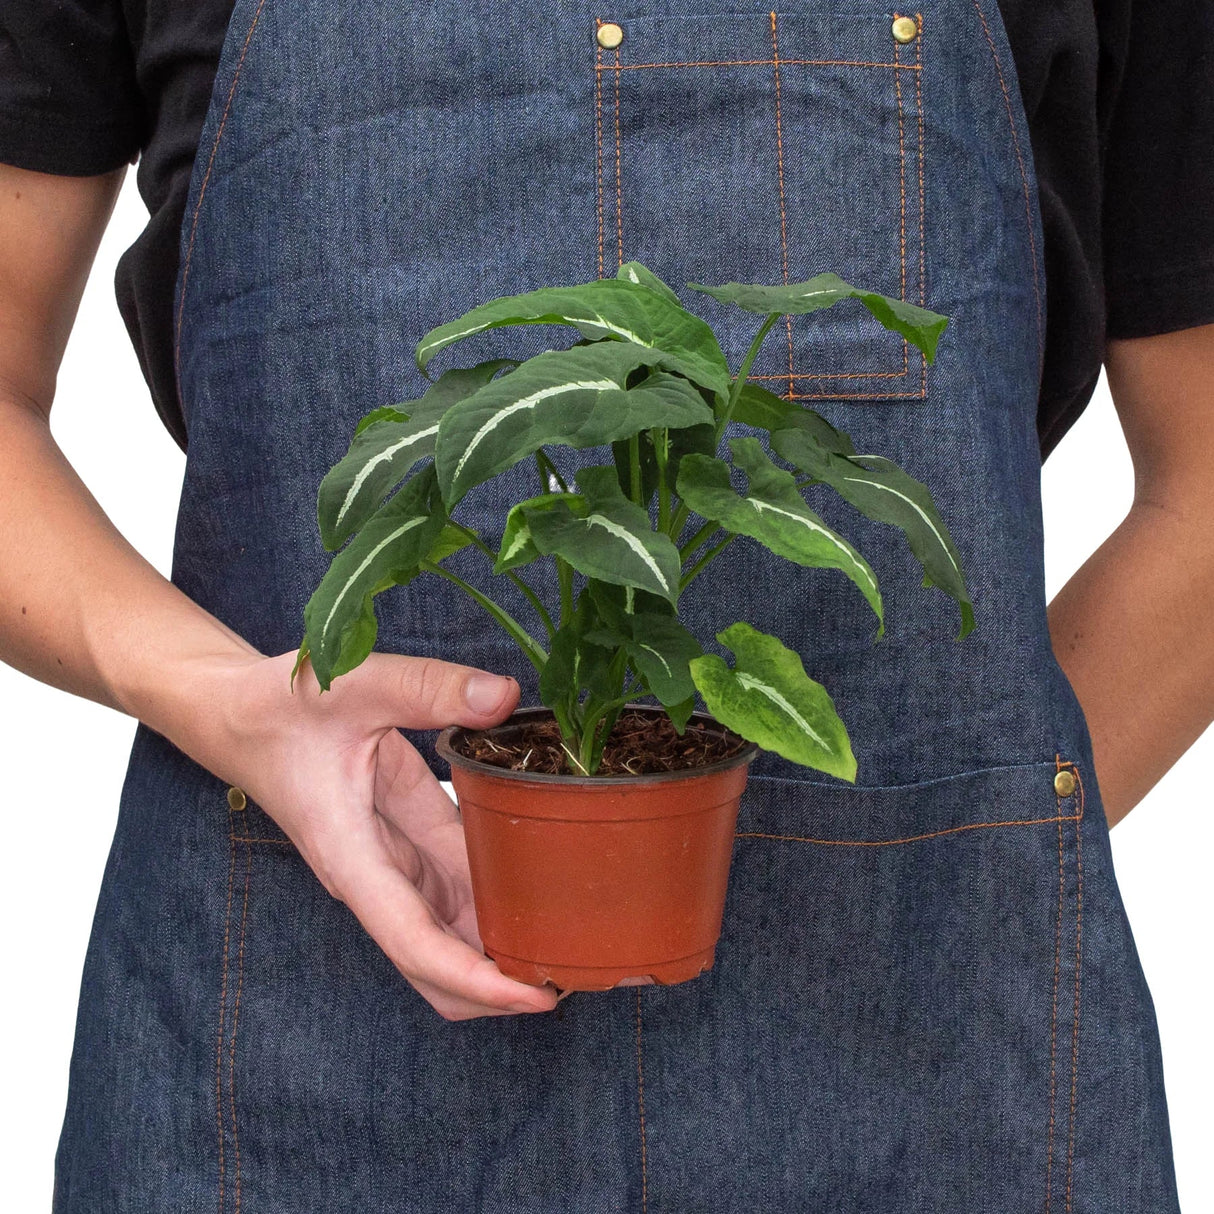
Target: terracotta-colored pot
[(584, 881)]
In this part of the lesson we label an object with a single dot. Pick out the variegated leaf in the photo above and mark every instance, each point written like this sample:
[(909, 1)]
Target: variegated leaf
[(918, 325), (772, 511), (605, 308), (573, 397), (882, 491), (339, 617), (517, 547), (387, 443), (765, 410), (608, 538), (768, 698)]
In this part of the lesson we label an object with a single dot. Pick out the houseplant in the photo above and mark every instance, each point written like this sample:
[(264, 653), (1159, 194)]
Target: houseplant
[(586, 892)]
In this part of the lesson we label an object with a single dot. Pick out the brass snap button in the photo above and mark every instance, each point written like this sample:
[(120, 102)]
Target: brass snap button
[(904, 28), (236, 799), (610, 35), (1064, 783)]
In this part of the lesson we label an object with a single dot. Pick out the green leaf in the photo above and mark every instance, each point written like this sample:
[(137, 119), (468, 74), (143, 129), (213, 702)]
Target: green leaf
[(573, 397), (768, 698), (605, 308), (661, 651), (576, 662), (517, 547), (608, 537), (879, 489), (389, 413), (339, 617), (766, 411), (917, 325), (633, 271), (680, 714), (386, 445), (772, 512)]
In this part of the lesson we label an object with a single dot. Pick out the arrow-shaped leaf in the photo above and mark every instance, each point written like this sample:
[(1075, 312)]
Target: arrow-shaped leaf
[(634, 271), (765, 410), (605, 308), (661, 650), (609, 538), (879, 489), (573, 397), (768, 698), (772, 512), (339, 618), (917, 325), (387, 443), (517, 547)]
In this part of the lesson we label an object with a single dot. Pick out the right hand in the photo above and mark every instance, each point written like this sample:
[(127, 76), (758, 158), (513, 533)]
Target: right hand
[(364, 809)]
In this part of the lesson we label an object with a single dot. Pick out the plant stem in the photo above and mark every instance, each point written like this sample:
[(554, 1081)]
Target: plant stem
[(705, 560), (743, 371), (660, 438), (564, 572), (548, 472), (534, 651), (532, 597), (634, 461), (696, 540)]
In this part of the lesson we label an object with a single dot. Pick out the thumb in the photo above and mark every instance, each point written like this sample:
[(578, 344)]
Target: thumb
[(428, 693)]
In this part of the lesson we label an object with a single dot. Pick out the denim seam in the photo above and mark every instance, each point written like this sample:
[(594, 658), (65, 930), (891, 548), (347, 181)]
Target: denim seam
[(775, 63), (244, 915), (202, 190), (598, 139), (641, 1107), (775, 58), (1028, 214), (1049, 1148), (935, 834), (223, 1005), (1070, 1148)]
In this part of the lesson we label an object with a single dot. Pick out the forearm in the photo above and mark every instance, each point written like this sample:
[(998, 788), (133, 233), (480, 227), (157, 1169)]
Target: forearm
[(1132, 630), (79, 607)]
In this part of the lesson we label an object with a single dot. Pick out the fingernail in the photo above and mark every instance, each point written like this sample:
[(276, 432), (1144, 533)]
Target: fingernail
[(485, 692)]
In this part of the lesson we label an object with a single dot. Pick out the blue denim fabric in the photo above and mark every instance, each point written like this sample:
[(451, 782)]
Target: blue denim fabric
[(926, 995)]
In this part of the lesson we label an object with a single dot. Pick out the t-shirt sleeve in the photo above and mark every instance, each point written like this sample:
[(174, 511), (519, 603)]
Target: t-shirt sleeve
[(69, 102), (1158, 220)]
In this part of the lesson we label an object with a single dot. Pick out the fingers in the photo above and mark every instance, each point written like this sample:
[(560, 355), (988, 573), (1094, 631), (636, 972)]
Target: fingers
[(426, 693), (453, 977)]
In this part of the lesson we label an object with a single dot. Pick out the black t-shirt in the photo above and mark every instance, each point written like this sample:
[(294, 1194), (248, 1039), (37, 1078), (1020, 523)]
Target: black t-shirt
[(1119, 96)]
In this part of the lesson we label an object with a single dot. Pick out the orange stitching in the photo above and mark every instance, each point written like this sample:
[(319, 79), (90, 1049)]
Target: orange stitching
[(901, 199), (223, 1007), (775, 51), (1019, 160), (1070, 1147), (619, 185), (860, 396), (598, 141), (244, 915), (908, 67), (935, 834), (641, 1096), (257, 839), (202, 191), (834, 375), (1049, 1149), (922, 276)]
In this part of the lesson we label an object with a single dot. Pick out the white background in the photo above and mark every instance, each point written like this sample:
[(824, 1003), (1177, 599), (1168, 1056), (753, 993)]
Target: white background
[(63, 763)]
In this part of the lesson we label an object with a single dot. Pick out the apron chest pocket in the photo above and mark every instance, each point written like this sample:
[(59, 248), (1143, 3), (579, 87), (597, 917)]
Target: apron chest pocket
[(765, 147)]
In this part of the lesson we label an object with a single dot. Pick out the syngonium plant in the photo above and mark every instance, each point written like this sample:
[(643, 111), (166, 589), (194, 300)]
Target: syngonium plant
[(649, 384)]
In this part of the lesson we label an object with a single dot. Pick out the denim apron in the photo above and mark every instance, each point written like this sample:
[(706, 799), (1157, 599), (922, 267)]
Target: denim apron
[(926, 997)]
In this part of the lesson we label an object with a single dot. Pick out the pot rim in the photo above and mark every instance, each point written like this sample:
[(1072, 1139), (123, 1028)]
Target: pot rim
[(443, 746)]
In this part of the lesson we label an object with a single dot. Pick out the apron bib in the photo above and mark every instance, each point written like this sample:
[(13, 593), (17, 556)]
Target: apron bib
[(926, 996)]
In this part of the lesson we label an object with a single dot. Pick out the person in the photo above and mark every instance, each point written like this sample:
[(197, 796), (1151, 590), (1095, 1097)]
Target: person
[(235, 1022)]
